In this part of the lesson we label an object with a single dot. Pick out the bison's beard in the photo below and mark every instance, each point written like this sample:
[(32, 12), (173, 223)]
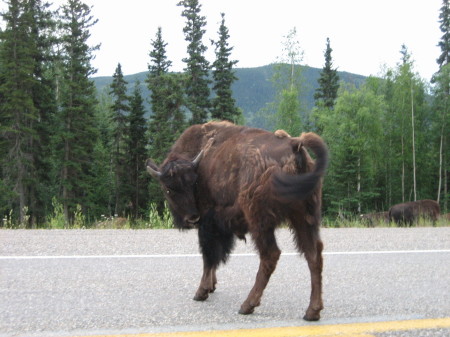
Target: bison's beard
[(179, 221)]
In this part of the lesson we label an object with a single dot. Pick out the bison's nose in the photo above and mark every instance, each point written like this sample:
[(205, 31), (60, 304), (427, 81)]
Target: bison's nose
[(192, 219)]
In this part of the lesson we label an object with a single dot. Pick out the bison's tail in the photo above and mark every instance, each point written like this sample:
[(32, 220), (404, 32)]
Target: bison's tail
[(297, 187)]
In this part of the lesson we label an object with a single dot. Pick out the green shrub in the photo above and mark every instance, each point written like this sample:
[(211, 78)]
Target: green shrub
[(57, 220), (158, 221)]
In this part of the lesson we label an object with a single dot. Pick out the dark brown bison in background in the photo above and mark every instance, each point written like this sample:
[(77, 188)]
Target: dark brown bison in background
[(409, 212), (372, 219), (229, 180)]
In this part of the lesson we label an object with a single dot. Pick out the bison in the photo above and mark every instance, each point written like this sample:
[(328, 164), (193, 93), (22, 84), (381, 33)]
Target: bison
[(228, 180), (409, 212)]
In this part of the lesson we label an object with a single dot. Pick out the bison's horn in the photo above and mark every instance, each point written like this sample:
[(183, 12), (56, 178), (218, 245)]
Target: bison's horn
[(197, 159), (153, 173)]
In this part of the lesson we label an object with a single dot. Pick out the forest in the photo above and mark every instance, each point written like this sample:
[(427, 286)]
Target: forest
[(73, 146)]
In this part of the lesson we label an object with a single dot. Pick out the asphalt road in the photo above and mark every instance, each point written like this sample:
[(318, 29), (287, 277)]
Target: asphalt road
[(85, 282)]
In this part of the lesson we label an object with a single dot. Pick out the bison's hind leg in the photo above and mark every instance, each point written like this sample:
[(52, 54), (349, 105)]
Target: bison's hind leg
[(315, 264), (309, 243), (269, 253)]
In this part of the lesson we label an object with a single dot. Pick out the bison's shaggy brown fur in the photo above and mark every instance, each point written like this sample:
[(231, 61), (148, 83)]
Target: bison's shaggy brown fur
[(230, 180)]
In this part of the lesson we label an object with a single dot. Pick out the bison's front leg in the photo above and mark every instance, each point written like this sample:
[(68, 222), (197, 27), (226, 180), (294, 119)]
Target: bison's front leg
[(269, 253), (215, 246), (207, 283)]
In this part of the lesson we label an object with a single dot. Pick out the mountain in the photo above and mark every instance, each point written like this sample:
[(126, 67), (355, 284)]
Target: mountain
[(253, 89)]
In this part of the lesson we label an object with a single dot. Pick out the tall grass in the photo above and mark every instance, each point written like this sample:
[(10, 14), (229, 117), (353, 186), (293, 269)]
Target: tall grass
[(355, 222), (155, 220), (57, 219)]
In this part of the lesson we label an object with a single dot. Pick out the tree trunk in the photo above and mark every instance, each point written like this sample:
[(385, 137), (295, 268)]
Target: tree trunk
[(440, 164), (65, 178), (413, 144), (442, 170), (358, 187)]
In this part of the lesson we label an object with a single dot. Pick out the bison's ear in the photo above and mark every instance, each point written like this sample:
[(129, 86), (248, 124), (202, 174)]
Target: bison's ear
[(152, 169)]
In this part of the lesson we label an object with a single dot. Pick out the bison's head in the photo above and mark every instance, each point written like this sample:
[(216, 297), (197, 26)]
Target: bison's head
[(177, 179)]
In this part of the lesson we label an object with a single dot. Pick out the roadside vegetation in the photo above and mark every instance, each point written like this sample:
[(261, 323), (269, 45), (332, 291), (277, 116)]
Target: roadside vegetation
[(358, 223)]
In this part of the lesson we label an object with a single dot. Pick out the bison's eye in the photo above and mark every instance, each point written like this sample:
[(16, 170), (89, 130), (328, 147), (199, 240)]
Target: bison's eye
[(168, 192)]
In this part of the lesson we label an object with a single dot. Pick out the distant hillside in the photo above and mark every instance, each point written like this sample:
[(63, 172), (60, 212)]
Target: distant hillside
[(253, 89)]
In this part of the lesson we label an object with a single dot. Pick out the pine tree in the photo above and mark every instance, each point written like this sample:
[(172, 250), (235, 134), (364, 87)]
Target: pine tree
[(27, 104), (197, 67), (160, 64), (158, 68), (167, 121), (44, 98), (77, 134), (441, 104), (137, 153), (224, 105), (444, 44), (103, 201), (326, 93), (119, 115), (17, 110)]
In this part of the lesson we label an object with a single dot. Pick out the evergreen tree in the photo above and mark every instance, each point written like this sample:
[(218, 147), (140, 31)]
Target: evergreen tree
[(44, 98), (167, 121), (224, 105), (441, 88), (17, 109), (137, 153), (77, 134), (119, 115), (444, 44), (103, 201), (326, 93), (27, 103), (158, 67), (197, 67)]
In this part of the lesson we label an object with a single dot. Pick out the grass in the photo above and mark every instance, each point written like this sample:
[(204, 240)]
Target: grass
[(164, 221), (154, 221), (357, 223)]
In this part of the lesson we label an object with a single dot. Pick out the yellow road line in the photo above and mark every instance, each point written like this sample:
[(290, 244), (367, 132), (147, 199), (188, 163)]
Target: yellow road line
[(341, 330)]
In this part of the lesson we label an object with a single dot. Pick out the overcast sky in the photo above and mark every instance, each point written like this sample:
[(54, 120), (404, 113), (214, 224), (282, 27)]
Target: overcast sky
[(365, 35)]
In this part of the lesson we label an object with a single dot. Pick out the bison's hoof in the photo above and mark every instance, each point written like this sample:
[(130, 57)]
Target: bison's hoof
[(246, 309), (312, 315), (201, 296)]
